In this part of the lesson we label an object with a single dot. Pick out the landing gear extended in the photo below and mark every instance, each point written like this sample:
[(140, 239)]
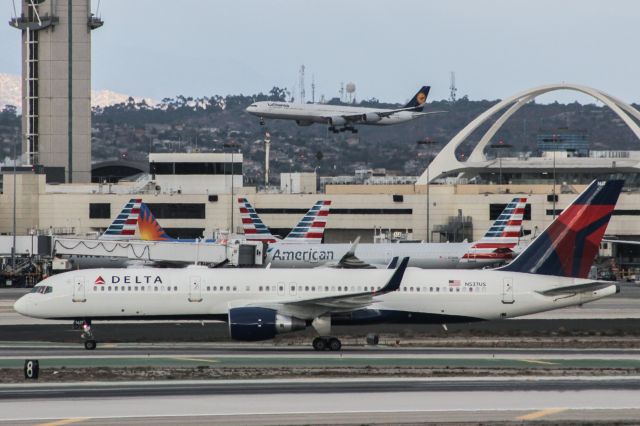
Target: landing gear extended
[(343, 129), (327, 343), (89, 342)]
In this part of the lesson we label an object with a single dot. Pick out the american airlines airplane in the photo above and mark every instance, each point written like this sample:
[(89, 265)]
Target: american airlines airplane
[(341, 118), (498, 245), (310, 229), (259, 304)]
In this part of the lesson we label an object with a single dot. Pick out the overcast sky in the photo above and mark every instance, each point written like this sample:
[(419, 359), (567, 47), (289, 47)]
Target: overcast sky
[(159, 48)]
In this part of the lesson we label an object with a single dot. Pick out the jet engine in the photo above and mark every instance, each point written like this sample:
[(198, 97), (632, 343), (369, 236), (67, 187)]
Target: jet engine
[(251, 324), (304, 122), (371, 117), (337, 121)]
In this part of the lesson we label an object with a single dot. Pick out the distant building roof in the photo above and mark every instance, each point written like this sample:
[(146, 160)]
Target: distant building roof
[(115, 170)]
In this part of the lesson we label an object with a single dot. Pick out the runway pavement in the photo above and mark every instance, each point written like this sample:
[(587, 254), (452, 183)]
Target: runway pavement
[(19, 350), (249, 360), (321, 401)]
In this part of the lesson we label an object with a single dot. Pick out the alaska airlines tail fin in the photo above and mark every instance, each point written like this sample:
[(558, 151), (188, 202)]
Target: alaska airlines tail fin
[(254, 228), (420, 98), (150, 229), (123, 226), (569, 244), (310, 229)]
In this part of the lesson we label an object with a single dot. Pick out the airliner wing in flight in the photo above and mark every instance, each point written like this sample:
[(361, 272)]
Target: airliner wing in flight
[(377, 115)]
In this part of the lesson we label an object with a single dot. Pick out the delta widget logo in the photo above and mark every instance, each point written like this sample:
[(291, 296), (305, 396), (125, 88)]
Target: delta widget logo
[(99, 280)]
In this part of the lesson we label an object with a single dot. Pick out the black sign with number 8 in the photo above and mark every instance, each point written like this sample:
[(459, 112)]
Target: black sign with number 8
[(31, 369)]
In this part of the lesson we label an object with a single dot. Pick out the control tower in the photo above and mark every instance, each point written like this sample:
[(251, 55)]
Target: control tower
[(56, 86)]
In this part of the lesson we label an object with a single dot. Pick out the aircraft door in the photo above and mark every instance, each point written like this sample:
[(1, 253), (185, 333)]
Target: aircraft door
[(507, 290), (78, 290), (195, 289)]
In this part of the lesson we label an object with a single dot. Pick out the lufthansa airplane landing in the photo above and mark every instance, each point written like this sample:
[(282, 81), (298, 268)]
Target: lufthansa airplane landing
[(341, 118)]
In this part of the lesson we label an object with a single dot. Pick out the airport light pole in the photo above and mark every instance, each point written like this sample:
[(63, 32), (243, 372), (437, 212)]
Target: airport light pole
[(554, 139), (15, 166), (428, 143)]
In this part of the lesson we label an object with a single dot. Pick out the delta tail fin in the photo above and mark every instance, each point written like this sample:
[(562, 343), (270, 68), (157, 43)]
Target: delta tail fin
[(123, 226), (254, 228), (569, 244), (419, 99), (150, 229), (311, 227)]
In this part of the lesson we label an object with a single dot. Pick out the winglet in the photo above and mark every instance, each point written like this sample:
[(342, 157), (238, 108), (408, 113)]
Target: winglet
[(354, 246), (394, 263), (396, 279)]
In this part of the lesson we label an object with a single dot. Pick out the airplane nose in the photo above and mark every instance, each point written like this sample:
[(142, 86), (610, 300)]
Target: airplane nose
[(21, 306)]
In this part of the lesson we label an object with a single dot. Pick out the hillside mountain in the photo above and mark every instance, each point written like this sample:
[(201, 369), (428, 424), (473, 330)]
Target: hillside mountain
[(132, 128), (10, 94)]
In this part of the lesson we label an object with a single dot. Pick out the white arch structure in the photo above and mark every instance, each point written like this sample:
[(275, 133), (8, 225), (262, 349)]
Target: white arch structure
[(446, 162)]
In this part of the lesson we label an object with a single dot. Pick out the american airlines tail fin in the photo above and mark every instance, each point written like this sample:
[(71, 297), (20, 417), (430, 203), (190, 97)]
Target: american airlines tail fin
[(123, 226), (254, 228), (150, 229), (419, 99), (311, 227), (569, 244), (505, 231)]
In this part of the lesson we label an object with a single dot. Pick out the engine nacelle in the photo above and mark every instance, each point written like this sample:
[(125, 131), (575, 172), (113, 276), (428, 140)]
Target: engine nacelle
[(251, 324), (371, 117), (337, 121), (304, 123)]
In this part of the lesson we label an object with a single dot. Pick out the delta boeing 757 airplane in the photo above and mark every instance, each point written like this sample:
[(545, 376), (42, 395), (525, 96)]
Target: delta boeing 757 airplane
[(341, 118), (258, 304)]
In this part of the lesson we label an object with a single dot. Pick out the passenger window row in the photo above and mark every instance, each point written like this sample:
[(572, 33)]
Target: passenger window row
[(123, 288)]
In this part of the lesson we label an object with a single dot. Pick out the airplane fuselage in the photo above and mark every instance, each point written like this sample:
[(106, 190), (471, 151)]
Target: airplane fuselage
[(307, 114), (421, 255), (425, 296)]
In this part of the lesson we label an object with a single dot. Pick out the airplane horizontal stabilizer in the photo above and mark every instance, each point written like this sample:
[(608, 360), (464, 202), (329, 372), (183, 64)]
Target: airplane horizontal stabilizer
[(578, 288)]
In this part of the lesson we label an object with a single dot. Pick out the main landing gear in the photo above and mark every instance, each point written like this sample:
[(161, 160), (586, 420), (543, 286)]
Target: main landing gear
[(89, 342), (343, 129), (327, 343)]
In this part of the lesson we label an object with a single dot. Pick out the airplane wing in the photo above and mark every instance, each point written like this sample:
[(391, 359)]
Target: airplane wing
[(337, 303), (353, 118), (578, 288)]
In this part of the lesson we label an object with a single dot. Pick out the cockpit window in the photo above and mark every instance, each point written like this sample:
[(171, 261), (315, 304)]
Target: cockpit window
[(42, 289)]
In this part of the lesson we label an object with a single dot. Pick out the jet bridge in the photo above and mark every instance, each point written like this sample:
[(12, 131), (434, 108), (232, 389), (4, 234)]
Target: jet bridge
[(233, 252)]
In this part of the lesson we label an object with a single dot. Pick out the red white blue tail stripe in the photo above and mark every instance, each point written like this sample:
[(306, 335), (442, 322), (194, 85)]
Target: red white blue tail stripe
[(311, 227), (503, 236), (125, 224), (254, 228), (505, 231)]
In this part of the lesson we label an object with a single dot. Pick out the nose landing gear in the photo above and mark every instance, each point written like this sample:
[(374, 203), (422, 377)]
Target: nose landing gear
[(89, 342)]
